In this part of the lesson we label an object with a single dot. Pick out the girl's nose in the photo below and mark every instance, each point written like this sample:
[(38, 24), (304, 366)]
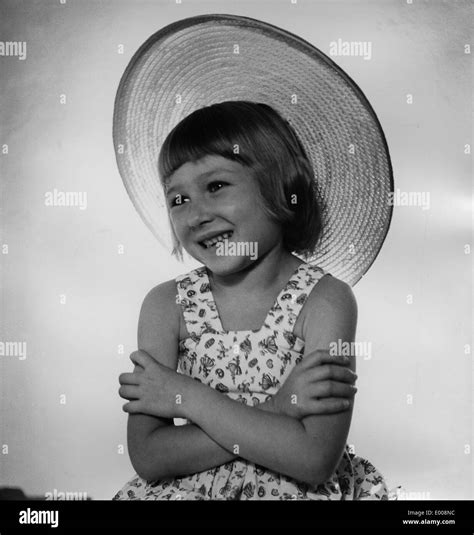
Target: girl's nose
[(198, 214)]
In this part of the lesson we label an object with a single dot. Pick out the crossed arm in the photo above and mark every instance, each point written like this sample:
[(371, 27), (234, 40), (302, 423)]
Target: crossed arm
[(306, 449)]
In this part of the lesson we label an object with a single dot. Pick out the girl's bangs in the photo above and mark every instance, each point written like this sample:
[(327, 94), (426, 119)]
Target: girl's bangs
[(200, 135)]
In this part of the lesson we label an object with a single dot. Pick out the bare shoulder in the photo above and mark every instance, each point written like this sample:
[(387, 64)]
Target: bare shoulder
[(163, 296), (158, 326), (330, 314), (160, 303), (332, 293)]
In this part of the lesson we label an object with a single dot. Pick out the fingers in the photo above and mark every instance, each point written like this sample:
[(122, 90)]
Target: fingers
[(129, 392), (333, 389), (129, 379), (132, 407), (329, 406), (331, 372), (141, 358), (323, 356)]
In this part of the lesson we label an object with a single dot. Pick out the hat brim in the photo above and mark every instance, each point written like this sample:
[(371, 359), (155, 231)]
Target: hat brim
[(206, 59)]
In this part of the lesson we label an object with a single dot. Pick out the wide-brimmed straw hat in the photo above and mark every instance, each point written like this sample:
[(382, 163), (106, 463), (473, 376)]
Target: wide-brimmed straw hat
[(207, 59)]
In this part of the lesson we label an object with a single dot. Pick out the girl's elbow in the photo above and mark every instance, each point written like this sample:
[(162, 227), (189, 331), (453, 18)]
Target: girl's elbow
[(141, 462), (316, 475), (141, 468), (144, 474), (147, 472), (322, 470), (316, 470)]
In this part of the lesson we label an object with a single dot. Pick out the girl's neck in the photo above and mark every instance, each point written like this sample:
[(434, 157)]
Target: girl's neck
[(274, 269)]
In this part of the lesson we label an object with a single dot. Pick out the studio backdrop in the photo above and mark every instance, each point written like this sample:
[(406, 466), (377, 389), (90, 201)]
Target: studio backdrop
[(77, 259)]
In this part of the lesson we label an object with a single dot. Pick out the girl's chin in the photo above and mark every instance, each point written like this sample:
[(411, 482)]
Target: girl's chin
[(223, 264)]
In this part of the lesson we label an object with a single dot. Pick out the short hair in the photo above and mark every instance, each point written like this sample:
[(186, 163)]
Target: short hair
[(268, 145)]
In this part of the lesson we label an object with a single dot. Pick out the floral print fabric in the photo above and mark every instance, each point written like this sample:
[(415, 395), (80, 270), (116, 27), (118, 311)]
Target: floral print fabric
[(250, 367)]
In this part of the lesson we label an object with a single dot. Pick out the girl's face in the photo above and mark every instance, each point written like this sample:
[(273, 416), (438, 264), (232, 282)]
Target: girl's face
[(215, 195)]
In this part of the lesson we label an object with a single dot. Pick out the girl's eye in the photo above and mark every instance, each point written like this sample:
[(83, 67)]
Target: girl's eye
[(212, 184), (177, 200)]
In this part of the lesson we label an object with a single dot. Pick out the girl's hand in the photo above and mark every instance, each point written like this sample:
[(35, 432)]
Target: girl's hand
[(153, 388), (319, 384)]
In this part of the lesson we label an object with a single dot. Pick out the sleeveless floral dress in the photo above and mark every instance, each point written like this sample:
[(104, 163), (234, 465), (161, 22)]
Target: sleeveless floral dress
[(250, 367)]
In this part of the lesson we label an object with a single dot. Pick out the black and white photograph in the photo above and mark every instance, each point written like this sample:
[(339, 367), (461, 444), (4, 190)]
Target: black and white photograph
[(236, 254)]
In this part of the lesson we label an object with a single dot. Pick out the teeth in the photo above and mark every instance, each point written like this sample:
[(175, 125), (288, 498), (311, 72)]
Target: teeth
[(213, 241)]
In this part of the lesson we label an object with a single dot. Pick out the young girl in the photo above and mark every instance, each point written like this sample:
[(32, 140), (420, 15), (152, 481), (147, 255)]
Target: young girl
[(241, 348)]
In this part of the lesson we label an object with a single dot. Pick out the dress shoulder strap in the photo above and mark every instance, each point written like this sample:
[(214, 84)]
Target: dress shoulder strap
[(194, 295), (283, 316)]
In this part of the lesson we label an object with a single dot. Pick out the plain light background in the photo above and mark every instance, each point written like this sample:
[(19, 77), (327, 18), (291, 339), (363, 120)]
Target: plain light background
[(420, 351)]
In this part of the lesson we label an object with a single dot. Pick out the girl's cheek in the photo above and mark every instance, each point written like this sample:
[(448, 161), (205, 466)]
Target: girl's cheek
[(177, 225), (176, 218)]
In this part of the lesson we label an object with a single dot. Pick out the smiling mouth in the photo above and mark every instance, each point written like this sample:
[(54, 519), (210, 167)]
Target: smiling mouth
[(208, 244)]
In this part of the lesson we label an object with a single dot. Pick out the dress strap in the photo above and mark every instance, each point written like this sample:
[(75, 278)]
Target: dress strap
[(201, 314), (195, 298), (282, 317)]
